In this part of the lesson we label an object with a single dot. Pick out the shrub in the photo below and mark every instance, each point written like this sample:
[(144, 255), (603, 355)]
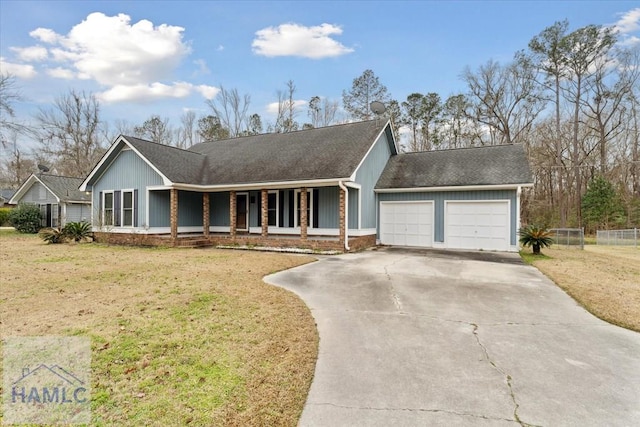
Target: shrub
[(4, 216), (25, 218), (537, 237), (53, 235), (77, 231)]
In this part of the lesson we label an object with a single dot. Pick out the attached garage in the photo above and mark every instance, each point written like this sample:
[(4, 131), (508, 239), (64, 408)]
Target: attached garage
[(458, 199), (406, 223), (477, 225)]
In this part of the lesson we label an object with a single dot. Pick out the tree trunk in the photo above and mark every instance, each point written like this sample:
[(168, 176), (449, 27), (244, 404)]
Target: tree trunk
[(536, 249)]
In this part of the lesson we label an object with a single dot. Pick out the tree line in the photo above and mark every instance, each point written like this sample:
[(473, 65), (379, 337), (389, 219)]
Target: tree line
[(571, 97)]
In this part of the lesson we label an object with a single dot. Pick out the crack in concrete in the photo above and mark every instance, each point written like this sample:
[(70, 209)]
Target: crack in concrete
[(434, 410), (394, 295), (508, 378)]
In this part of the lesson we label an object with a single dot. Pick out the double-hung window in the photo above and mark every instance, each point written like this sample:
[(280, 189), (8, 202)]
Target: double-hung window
[(272, 208), (107, 214), (127, 208)]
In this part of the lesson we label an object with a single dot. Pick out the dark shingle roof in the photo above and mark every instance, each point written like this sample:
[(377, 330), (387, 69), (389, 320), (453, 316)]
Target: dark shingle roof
[(490, 165), (329, 152), (7, 193), (64, 187), (178, 165)]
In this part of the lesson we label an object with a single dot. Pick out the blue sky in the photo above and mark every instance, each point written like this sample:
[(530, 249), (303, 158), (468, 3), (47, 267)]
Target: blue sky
[(162, 57)]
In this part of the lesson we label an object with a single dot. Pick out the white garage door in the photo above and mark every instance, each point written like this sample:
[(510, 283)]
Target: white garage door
[(477, 225), (406, 223)]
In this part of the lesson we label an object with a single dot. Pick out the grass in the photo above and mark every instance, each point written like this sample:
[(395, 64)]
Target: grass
[(179, 336), (603, 279)]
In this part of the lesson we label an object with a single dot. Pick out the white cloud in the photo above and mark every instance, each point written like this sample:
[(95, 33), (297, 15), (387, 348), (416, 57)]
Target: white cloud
[(202, 67), (220, 48), (151, 92), (209, 92), (21, 71), (629, 22), (272, 107), (61, 73), (45, 35), (114, 52), (29, 54), (297, 40)]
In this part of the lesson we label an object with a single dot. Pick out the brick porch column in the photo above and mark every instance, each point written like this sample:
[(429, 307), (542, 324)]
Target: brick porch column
[(265, 213), (233, 219), (303, 213), (173, 194), (205, 214), (341, 216)]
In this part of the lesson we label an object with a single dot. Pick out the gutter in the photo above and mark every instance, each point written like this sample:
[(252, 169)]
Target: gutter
[(346, 214)]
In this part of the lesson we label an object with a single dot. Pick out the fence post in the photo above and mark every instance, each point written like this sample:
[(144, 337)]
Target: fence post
[(582, 239)]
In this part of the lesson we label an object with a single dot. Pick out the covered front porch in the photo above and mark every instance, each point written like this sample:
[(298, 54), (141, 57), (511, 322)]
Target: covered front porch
[(318, 218)]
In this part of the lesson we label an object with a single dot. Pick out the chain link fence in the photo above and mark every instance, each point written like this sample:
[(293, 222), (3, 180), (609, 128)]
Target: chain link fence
[(627, 237), (568, 237)]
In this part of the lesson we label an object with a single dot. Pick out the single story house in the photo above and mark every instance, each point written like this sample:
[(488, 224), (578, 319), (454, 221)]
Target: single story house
[(59, 199), (338, 187)]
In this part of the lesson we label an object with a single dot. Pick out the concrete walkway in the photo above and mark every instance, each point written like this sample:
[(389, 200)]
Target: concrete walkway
[(450, 338)]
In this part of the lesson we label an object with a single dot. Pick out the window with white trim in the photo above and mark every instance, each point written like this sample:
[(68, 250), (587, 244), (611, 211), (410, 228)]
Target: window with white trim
[(309, 208), (55, 215), (127, 208), (107, 208), (273, 208)]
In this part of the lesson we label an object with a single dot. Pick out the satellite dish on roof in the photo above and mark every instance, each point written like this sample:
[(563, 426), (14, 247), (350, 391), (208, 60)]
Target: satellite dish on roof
[(377, 107), (43, 168)]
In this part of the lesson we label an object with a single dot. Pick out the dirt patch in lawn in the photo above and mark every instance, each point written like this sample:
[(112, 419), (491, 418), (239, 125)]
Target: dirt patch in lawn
[(604, 279), (179, 336)]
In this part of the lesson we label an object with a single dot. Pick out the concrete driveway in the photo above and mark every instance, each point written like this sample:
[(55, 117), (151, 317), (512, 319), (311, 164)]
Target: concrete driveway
[(432, 338)]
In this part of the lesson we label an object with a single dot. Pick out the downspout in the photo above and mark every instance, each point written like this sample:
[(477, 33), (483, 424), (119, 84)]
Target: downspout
[(518, 225), (346, 215)]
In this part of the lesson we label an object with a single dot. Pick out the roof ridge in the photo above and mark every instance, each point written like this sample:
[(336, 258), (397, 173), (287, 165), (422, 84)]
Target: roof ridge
[(185, 150), (57, 176), (464, 148)]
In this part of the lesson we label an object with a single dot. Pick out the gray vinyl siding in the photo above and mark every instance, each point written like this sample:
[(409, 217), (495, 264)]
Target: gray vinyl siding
[(367, 176), (128, 171), (440, 197), (353, 208), (159, 208), (328, 206), (77, 212), (189, 209), (39, 194), (219, 209)]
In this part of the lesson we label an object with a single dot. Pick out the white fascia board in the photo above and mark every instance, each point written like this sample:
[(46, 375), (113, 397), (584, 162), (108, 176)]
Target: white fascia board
[(353, 175), (259, 186), (26, 186), (452, 188), (107, 156)]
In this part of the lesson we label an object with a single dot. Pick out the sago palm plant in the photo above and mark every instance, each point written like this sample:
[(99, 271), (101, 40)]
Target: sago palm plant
[(536, 237)]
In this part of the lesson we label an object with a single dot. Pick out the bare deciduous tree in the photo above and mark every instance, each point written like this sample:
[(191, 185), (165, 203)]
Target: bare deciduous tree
[(231, 109), (70, 133)]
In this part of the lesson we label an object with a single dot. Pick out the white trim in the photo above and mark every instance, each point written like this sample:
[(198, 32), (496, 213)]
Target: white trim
[(358, 187), (405, 202), (375, 140), (107, 155), (445, 219), (220, 228), (452, 188), (296, 215), (518, 225), (279, 185)]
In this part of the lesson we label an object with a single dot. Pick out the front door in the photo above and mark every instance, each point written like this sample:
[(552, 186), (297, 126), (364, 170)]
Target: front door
[(242, 204)]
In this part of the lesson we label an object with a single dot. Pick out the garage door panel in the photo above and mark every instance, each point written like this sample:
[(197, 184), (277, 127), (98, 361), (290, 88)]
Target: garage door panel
[(477, 225), (406, 223)]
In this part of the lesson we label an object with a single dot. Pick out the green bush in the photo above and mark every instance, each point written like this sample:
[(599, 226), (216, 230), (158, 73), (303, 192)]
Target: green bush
[(77, 231), (25, 218), (536, 237), (4, 216), (53, 235)]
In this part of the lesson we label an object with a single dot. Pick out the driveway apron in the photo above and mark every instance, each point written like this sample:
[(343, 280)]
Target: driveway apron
[(432, 338)]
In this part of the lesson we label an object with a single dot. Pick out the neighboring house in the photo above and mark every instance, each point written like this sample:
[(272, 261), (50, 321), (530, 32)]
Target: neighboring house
[(59, 199), (338, 187), (5, 197)]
